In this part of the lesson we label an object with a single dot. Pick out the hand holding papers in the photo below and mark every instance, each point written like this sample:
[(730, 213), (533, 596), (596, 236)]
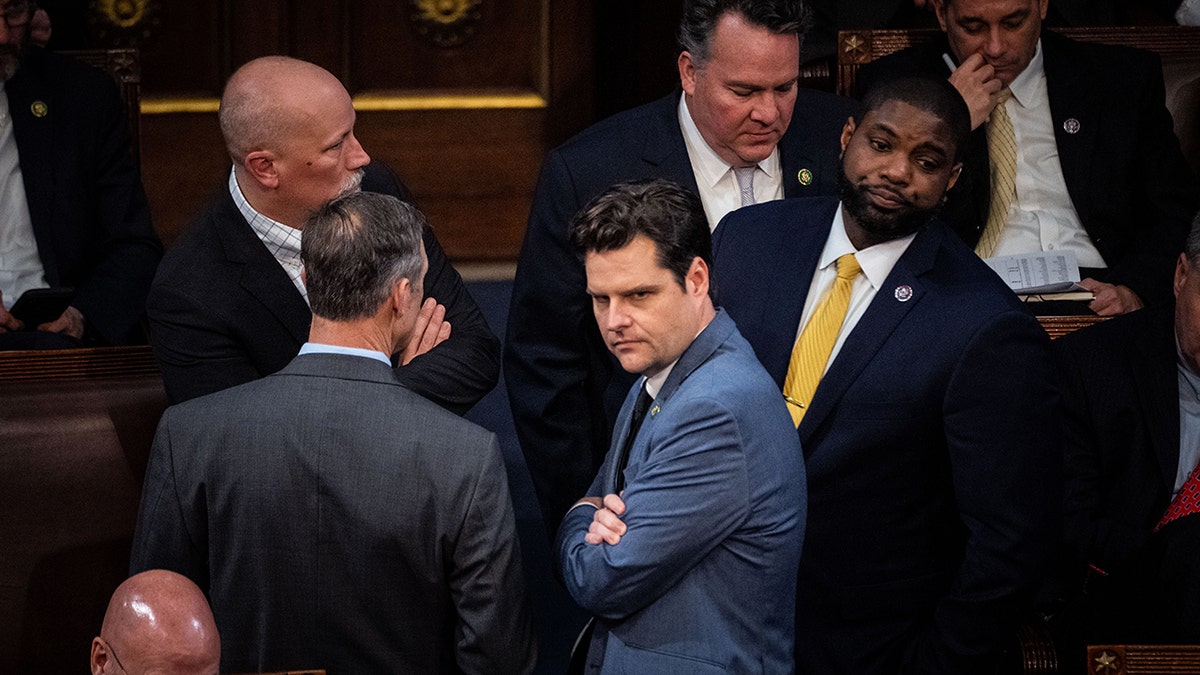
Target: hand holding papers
[(1035, 275)]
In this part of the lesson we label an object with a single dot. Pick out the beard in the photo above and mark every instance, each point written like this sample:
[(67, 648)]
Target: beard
[(353, 183), (882, 226)]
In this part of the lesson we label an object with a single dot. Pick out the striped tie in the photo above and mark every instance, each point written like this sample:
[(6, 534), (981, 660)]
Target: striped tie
[(1002, 158), (812, 349), (745, 179)]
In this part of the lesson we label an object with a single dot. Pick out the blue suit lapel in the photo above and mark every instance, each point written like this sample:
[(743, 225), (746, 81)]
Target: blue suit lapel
[(798, 251), (700, 351), (666, 149), (882, 317)]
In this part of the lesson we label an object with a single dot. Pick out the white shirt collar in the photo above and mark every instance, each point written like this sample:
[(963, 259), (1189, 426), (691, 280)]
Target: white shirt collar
[(318, 348), (706, 163), (876, 261), (281, 240), (1025, 87)]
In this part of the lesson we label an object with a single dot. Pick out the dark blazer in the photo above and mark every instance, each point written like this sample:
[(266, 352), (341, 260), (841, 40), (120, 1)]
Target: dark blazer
[(1126, 176), (931, 447), (336, 520), (1121, 400), (86, 202), (704, 579), (223, 312), (564, 386)]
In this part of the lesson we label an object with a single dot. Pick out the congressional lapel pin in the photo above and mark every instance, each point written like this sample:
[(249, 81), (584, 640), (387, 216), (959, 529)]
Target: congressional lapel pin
[(1071, 125), (654, 410), (805, 177), (39, 108), (904, 293)]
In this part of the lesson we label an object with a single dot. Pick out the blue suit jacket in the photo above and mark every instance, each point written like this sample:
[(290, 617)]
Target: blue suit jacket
[(703, 580), (931, 447), (564, 386)]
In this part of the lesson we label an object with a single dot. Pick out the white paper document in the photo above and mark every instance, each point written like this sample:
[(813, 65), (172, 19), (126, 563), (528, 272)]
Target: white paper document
[(1038, 273)]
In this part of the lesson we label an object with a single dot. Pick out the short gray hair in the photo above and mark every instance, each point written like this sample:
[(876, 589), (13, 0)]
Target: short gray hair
[(1192, 247), (355, 248), (700, 18)]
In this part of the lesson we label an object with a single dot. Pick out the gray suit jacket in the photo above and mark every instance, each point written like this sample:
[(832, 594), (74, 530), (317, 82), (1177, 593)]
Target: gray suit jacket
[(339, 521)]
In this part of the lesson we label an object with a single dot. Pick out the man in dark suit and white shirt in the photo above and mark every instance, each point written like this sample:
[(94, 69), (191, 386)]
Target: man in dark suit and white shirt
[(1130, 393), (740, 113), (227, 305), (335, 518), (685, 547), (1080, 155), (923, 397)]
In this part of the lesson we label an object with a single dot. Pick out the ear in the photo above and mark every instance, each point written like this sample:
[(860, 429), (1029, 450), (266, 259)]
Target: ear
[(400, 296), (99, 656), (954, 174), (939, 9), (847, 132), (1182, 268), (260, 165), (696, 281), (687, 73), (1045, 4)]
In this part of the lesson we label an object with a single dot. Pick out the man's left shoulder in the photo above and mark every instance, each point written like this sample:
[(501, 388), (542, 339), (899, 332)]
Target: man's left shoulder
[(1098, 58)]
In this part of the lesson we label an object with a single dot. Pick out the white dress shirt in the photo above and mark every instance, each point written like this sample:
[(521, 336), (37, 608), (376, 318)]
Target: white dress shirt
[(719, 189), (876, 262), (281, 240), (1041, 217), (1189, 421), (20, 266)]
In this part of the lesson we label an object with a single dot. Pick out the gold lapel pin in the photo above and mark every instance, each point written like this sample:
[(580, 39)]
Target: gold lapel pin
[(805, 177), (39, 108)]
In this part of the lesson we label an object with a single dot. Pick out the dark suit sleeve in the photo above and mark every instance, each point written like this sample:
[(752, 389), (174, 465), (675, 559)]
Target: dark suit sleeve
[(686, 499), (464, 368), (166, 536), (196, 355), (552, 356), (494, 633), (1001, 425)]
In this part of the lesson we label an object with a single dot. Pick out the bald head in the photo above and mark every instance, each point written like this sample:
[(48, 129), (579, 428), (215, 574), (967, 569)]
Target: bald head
[(157, 621), (266, 99)]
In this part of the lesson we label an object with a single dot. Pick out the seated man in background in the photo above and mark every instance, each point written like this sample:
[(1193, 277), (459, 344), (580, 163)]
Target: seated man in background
[(1073, 148), (1133, 481), (686, 545), (923, 397), (73, 214), (740, 131), (228, 305), (157, 622), (335, 518)]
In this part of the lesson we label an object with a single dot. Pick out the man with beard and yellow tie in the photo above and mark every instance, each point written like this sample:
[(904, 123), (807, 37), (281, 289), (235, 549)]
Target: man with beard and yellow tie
[(922, 395)]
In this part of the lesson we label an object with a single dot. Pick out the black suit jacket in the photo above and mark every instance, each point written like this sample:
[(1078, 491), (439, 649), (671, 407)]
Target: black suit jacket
[(223, 312), (86, 202), (930, 446), (337, 520), (564, 386), (1126, 176), (1121, 400)]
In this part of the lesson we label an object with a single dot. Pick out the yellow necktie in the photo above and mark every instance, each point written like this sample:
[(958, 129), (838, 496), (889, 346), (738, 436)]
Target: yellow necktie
[(812, 349), (1002, 158)]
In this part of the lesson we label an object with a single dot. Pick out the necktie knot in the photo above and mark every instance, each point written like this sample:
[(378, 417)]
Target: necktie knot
[(1005, 94), (848, 267)]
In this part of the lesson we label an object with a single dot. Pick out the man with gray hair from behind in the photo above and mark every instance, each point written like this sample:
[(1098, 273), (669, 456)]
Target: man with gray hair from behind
[(336, 519), (162, 624)]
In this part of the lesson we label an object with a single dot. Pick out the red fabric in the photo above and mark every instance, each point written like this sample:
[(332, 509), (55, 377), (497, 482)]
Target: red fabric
[(1186, 501)]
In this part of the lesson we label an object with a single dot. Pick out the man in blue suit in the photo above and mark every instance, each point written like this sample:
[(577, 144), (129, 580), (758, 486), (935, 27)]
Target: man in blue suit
[(686, 549), (929, 429), (740, 110)]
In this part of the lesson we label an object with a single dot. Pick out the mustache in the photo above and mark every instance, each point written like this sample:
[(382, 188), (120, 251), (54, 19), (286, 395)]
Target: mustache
[(352, 183)]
